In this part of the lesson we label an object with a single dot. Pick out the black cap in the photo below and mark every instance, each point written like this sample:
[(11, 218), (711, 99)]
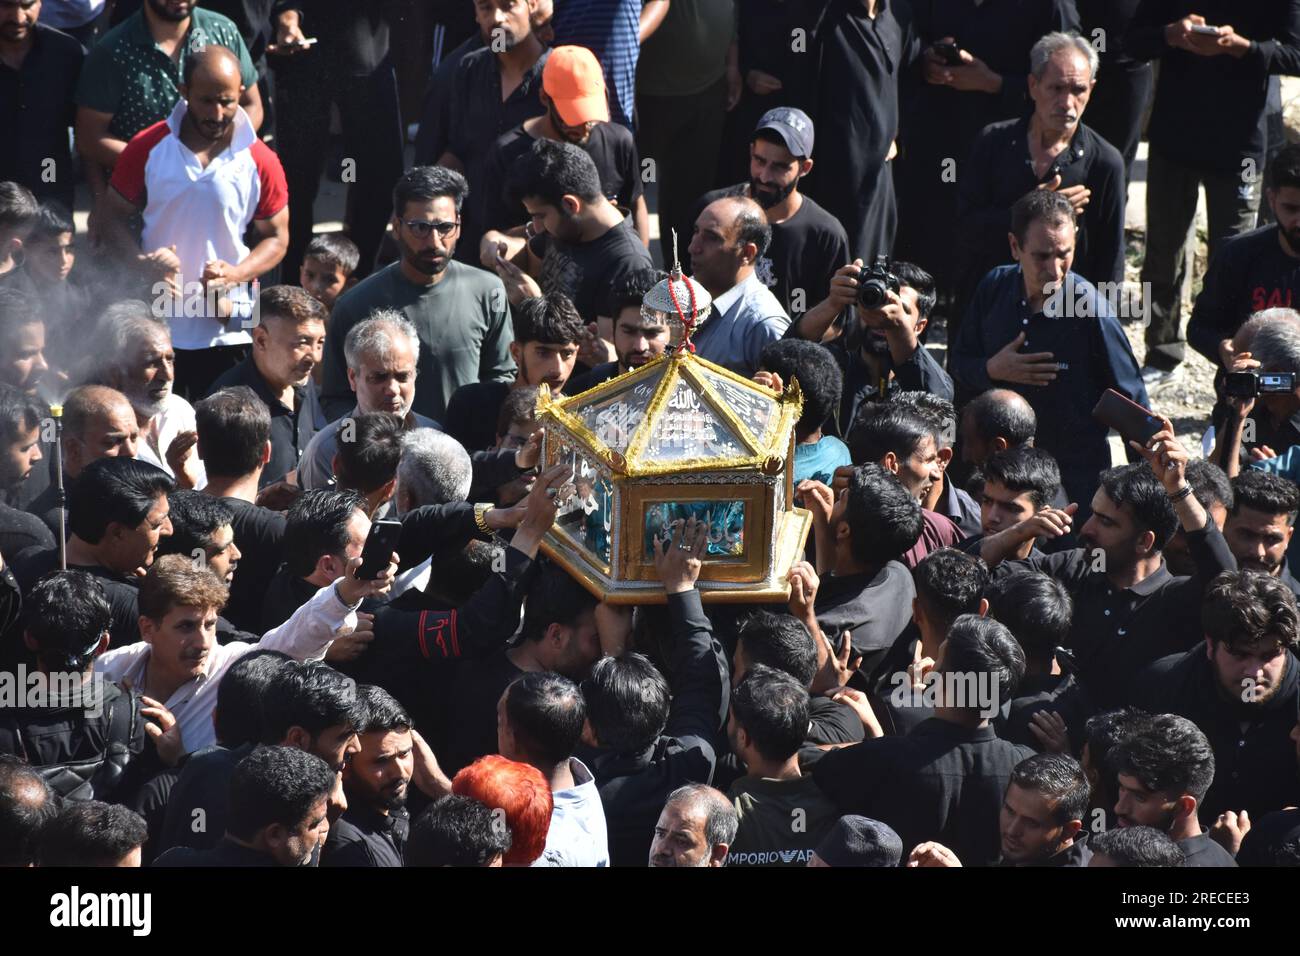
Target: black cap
[(793, 126), (860, 841)]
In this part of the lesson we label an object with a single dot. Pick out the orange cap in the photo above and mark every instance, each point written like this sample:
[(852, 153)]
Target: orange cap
[(574, 81)]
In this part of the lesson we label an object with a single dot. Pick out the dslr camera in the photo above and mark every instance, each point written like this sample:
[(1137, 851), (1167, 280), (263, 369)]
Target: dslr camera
[(1251, 384), (875, 284)]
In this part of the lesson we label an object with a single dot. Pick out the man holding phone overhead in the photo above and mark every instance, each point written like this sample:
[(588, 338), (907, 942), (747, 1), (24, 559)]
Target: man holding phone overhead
[(1039, 329)]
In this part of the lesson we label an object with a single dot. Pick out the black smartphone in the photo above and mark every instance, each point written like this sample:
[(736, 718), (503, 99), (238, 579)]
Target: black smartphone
[(380, 545), (1131, 420), (950, 53)]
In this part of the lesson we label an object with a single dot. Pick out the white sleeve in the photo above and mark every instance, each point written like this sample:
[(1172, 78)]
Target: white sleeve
[(307, 635)]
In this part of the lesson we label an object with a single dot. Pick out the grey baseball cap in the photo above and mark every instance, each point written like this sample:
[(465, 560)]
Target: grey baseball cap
[(793, 126)]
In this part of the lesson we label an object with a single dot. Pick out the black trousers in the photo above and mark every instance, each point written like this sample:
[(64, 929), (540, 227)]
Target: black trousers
[(372, 140), (1118, 103), (682, 134)]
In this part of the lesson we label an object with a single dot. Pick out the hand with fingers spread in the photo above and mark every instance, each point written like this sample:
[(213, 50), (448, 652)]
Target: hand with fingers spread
[(678, 561), (1049, 729), (1077, 195), (163, 730), (1009, 364)]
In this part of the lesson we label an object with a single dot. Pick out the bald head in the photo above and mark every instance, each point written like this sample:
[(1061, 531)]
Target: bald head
[(730, 235), (98, 422), (212, 89), (995, 421), (25, 808), (212, 63)]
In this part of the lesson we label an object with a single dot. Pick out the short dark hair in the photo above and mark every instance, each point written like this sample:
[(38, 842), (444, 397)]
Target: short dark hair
[(1209, 483), (1137, 488), (22, 816), (1137, 846), (275, 785), (751, 224), (310, 695), (549, 171), (457, 831), (316, 525), (979, 645), (19, 412), (290, 303), (546, 713), (549, 318), (237, 718), (91, 833), (519, 405), (1103, 732), (938, 411), (195, 519), (369, 460), (1171, 755), (950, 583), (1039, 205), (1245, 610), (993, 414), (335, 250), (234, 426), (1060, 779), (66, 614), (779, 641), (553, 598), (1284, 168), (627, 702), (114, 490), (18, 209), (426, 183), (884, 519), (772, 707), (1026, 469), (630, 289), (1265, 493), (819, 375), (1036, 608), (882, 427), (378, 711), (52, 220), (914, 277)]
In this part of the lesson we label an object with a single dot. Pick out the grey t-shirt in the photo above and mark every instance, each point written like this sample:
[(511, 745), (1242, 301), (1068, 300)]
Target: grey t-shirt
[(464, 327)]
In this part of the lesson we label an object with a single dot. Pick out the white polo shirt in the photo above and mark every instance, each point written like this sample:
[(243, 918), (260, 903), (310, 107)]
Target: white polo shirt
[(204, 212)]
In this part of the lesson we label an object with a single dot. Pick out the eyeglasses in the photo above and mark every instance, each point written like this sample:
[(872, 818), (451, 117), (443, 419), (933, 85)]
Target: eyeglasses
[(422, 229)]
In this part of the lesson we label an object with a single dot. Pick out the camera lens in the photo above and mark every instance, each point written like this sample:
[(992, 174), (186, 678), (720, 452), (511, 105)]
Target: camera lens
[(872, 294)]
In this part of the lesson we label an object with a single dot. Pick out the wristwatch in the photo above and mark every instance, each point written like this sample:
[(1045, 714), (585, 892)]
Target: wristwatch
[(480, 518)]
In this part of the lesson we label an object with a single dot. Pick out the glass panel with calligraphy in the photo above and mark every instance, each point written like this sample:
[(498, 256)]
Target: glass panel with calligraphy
[(613, 419), (757, 413), (585, 517), (688, 428)]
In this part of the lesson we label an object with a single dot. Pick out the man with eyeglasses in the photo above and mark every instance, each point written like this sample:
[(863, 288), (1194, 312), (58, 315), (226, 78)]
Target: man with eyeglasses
[(460, 312)]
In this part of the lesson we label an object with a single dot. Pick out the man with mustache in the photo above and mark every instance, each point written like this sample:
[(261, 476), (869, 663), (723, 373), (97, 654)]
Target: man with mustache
[(460, 312), (201, 178), (1261, 522), (1049, 148), (1241, 687), (1252, 271), (287, 344), (808, 243)]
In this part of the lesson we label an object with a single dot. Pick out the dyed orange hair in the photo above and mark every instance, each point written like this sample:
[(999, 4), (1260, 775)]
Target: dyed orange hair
[(522, 792)]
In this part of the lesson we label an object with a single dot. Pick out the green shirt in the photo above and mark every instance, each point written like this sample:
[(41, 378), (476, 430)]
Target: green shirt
[(781, 821), (126, 73), (464, 327)]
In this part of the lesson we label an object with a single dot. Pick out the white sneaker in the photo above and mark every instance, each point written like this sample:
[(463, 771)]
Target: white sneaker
[(1153, 377)]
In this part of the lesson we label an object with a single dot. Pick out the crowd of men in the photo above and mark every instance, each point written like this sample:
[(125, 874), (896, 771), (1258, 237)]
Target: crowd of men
[(1015, 639)]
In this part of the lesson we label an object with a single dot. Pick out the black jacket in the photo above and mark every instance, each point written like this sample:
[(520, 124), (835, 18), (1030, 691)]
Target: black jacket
[(634, 786)]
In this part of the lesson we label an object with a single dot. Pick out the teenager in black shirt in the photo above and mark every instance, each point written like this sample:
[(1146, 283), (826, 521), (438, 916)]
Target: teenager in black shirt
[(1241, 687), (1018, 484), (1164, 773)]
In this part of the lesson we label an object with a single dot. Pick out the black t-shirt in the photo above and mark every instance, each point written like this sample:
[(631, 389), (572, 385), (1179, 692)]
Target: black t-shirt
[(1268, 836), (20, 531), (258, 533), (610, 146), (122, 593), (1202, 851), (589, 272), (470, 724), (801, 260), (472, 414)]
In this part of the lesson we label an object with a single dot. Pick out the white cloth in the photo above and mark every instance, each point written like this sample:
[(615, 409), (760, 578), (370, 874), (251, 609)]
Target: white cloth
[(177, 416), (307, 635)]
